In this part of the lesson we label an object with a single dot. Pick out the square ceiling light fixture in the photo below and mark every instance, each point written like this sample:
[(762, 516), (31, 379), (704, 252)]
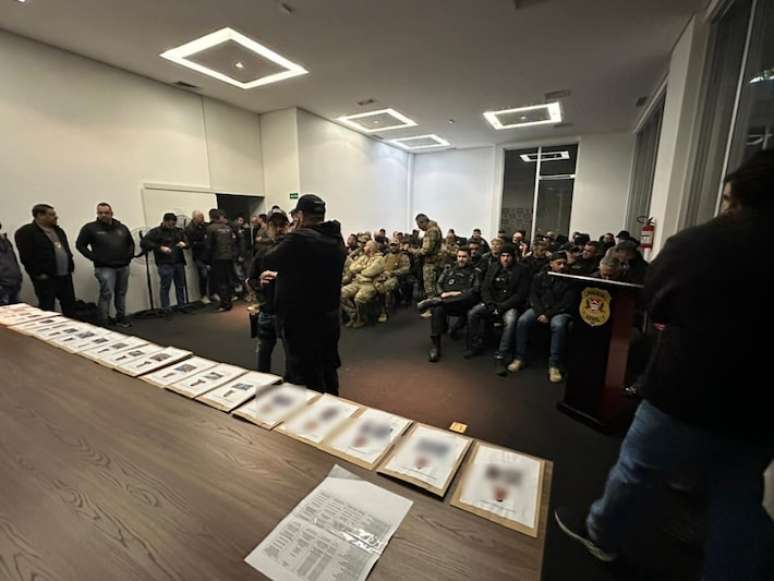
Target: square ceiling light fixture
[(546, 156), (235, 59), (420, 142), (546, 114), (381, 120)]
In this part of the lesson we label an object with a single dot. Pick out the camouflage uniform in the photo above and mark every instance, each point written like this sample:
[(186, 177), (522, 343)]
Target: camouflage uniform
[(449, 254), (396, 266), (431, 255), (361, 291)]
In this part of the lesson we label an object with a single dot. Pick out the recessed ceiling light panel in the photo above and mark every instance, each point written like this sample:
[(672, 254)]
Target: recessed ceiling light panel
[(546, 156), (261, 65), (420, 142), (546, 114), (381, 120)]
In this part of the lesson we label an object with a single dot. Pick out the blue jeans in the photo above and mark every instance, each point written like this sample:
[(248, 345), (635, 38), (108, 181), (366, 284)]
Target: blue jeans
[(9, 295), (113, 283), (559, 325), (168, 273), (267, 340), (740, 540), (204, 274), (477, 319)]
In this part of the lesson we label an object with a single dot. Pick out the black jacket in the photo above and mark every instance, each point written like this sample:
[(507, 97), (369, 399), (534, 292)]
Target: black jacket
[(169, 237), (637, 270), (196, 235), (535, 264), (221, 242), (583, 267), (711, 286), (36, 250), (106, 244), (507, 289), (309, 262), (465, 280), (552, 295), (10, 274), (265, 293)]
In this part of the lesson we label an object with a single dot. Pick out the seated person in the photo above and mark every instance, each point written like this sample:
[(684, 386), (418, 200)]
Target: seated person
[(458, 288), (588, 261), (552, 300), (519, 240), (538, 259), (607, 241), (610, 268), (346, 274), (573, 254), (476, 237), (503, 293), (356, 296), (636, 266), (493, 256), (449, 249), (474, 248), (396, 268), (352, 245)]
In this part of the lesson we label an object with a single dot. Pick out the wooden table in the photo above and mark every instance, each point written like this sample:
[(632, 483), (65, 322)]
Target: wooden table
[(107, 477)]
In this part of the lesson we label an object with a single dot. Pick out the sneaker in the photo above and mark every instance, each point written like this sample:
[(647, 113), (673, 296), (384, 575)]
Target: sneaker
[(426, 315), (516, 365), (554, 375), (358, 324), (574, 525), (382, 318), (205, 300)]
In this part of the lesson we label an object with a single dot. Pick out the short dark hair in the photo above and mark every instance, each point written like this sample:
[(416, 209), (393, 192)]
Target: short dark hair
[(40, 209), (477, 230), (169, 216), (627, 246), (104, 204), (421, 217), (213, 214), (465, 249), (752, 184)]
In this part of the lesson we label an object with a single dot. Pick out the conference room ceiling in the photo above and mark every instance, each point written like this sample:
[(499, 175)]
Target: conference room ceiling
[(432, 60)]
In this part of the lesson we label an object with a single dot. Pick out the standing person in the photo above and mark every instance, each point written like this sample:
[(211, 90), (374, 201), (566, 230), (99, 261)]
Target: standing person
[(706, 404), (309, 262), (196, 234), (108, 244), (259, 235), (458, 288), (46, 256), (222, 246), (430, 254), (10, 273), (263, 282), (167, 242), (476, 237)]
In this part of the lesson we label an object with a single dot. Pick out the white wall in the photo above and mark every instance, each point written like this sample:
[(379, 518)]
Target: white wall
[(77, 132), (455, 188), (677, 130), (279, 145), (364, 182), (601, 183)]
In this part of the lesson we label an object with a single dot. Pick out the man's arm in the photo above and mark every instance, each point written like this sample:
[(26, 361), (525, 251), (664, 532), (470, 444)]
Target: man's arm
[(83, 241), (486, 286), (535, 297), (405, 266), (129, 243), (375, 269), (519, 290), (25, 246), (151, 240)]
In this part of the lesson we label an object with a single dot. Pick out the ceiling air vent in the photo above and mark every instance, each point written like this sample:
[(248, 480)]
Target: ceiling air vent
[(556, 95), (184, 85)]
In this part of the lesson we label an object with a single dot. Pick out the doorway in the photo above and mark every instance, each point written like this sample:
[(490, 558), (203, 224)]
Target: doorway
[(235, 205)]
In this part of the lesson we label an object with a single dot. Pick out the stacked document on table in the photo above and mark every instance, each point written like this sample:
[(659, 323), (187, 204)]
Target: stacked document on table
[(153, 361), (122, 343), (23, 314), (179, 372), (320, 419), (366, 438), (274, 406), (30, 327), (336, 533), (234, 393), (129, 355), (205, 381)]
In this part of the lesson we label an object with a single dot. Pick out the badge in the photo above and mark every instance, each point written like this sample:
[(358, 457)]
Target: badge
[(451, 281), (595, 306)]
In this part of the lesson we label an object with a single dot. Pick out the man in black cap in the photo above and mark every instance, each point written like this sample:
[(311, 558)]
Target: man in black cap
[(167, 242), (308, 263)]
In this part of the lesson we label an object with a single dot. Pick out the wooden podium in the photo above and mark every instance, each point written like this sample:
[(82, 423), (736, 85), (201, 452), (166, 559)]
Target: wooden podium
[(598, 351)]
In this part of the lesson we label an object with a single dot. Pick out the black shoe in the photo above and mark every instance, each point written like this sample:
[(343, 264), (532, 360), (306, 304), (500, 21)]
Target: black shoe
[(435, 350), (633, 391), (123, 322), (574, 525), (422, 306), (471, 352), (500, 368)]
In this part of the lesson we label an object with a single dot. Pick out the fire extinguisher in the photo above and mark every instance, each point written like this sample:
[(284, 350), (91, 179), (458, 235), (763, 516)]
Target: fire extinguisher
[(647, 233)]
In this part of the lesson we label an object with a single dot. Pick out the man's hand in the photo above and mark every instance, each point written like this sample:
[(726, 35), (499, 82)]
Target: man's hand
[(450, 294), (181, 244), (267, 276), (165, 249), (543, 319)]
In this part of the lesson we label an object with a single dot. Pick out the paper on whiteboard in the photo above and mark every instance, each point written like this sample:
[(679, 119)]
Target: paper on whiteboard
[(369, 435), (428, 455), (336, 533), (504, 483)]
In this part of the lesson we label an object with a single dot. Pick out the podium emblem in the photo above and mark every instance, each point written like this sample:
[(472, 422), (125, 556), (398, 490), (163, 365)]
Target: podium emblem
[(595, 306)]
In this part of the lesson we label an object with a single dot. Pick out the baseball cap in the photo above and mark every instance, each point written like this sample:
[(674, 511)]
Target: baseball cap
[(310, 203), (278, 214)]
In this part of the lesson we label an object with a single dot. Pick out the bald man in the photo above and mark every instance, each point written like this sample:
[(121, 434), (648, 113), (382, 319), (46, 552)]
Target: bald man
[(196, 232)]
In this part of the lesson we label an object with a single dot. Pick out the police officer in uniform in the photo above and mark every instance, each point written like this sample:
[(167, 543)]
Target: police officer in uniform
[(430, 254), (396, 267), (361, 291), (457, 292)]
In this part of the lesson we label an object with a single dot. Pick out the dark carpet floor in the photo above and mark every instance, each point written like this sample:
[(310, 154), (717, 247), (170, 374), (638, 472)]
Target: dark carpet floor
[(386, 366)]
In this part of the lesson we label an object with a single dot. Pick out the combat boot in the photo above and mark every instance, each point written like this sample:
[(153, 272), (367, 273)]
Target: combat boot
[(435, 350), (360, 317), (422, 306)]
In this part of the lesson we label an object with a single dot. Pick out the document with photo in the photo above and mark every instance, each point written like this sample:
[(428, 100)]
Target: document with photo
[(94, 342), (153, 361), (178, 372), (129, 355), (233, 394), (30, 327), (337, 532), (274, 406), (366, 439), (317, 421), (85, 332), (205, 381), (123, 343)]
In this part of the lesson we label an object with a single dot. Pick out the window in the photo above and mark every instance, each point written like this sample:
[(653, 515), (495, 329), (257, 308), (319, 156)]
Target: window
[(643, 171)]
